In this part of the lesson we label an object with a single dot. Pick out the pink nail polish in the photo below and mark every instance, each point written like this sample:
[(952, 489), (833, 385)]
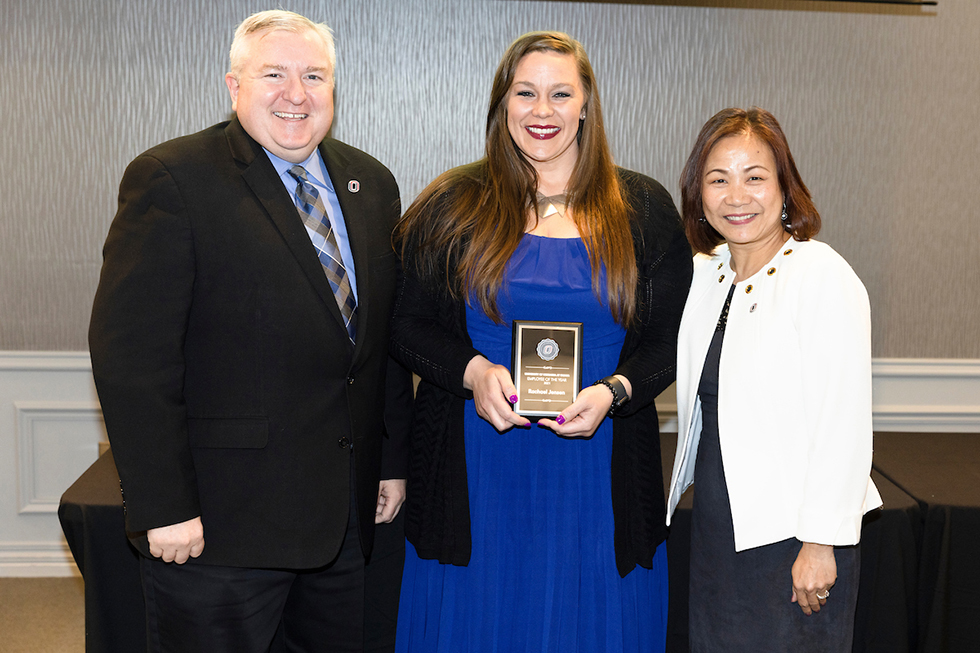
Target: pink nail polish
[(560, 419), (513, 399)]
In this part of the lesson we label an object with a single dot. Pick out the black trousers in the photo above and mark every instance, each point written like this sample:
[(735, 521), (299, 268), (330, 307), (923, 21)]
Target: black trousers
[(382, 586), (193, 608)]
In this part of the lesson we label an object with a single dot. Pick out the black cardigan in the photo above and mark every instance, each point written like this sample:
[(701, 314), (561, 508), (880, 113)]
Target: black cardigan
[(429, 337)]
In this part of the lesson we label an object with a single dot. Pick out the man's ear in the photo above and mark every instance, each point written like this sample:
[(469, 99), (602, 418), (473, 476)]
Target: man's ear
[(232, 83)]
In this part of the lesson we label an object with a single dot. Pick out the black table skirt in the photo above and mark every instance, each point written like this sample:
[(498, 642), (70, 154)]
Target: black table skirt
[(92, 518), (942, 472), (920, 576)]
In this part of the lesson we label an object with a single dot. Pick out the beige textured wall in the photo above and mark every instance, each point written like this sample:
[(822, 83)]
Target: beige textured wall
[(881, 106)]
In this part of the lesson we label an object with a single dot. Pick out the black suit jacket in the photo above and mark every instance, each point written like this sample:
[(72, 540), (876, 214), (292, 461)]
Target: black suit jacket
[(228, 384)]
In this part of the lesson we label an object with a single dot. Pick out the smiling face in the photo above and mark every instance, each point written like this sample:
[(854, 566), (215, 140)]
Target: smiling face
[(283, 94), (740, 193), (544, 106)]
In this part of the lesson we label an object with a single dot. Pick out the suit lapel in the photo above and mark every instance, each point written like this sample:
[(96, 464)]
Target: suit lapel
[(347, 184), (261, 177)]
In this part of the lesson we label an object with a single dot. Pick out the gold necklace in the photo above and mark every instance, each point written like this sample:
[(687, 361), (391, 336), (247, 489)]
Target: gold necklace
[(551, 204)]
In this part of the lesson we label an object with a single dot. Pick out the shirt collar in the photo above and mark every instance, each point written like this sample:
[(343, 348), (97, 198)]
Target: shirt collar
[(316, 171)]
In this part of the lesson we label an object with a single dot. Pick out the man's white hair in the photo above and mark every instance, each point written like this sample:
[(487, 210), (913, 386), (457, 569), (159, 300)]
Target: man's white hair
[(278, 19)]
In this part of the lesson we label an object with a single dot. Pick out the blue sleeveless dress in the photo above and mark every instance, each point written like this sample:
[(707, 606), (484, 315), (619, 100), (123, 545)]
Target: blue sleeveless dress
[(542, 574)]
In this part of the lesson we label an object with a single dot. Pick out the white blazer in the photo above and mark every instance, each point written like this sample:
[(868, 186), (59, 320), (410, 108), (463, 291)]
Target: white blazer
[(794, 395)]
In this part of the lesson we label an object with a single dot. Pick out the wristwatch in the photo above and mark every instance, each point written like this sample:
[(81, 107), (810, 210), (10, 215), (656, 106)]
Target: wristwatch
[(618, 390)]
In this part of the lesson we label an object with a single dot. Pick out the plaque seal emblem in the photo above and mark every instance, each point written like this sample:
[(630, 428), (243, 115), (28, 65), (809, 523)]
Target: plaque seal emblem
[(547, 349)]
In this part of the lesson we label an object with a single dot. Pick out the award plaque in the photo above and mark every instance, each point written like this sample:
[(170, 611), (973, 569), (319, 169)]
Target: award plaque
[(547, 366)]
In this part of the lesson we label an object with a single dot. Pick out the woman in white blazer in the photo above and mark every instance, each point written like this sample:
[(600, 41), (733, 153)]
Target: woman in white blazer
[(774, 401)]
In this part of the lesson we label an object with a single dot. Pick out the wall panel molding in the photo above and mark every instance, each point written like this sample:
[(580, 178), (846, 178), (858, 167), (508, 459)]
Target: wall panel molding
[(51, 430), (50, 361), (52, 436), (915, 395), (36, 559), (931, 395)]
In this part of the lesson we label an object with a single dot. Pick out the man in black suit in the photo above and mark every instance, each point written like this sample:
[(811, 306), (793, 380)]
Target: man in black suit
[(239, 344)]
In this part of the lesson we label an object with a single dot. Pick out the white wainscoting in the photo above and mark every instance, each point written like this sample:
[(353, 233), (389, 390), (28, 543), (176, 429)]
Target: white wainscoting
[(51, 430), (54, 439), (925, 394), (910, 394)]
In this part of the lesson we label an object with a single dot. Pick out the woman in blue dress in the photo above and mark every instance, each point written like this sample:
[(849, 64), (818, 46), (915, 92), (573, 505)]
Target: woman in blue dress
[(545, 537)]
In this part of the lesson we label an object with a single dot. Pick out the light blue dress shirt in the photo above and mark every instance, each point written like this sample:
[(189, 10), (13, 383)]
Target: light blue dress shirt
[(316, 174)]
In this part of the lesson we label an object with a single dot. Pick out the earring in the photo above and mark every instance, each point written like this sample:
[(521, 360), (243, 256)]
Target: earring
[(784, 217), (702, 219)]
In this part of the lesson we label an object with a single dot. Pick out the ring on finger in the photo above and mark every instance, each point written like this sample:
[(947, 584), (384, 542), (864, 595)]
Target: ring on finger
[(824, 596)]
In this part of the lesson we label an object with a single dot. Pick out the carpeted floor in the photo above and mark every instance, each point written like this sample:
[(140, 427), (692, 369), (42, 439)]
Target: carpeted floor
[(42, 615)]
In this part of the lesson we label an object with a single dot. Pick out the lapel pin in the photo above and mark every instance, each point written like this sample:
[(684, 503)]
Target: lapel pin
[(353, 185), (752, 308)]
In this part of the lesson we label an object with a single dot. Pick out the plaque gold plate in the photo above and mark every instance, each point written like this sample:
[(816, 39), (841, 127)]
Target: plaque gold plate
[(546, 366)]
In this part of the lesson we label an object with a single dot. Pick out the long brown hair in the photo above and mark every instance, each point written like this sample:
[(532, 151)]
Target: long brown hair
[(469, 221), (803, 220)]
